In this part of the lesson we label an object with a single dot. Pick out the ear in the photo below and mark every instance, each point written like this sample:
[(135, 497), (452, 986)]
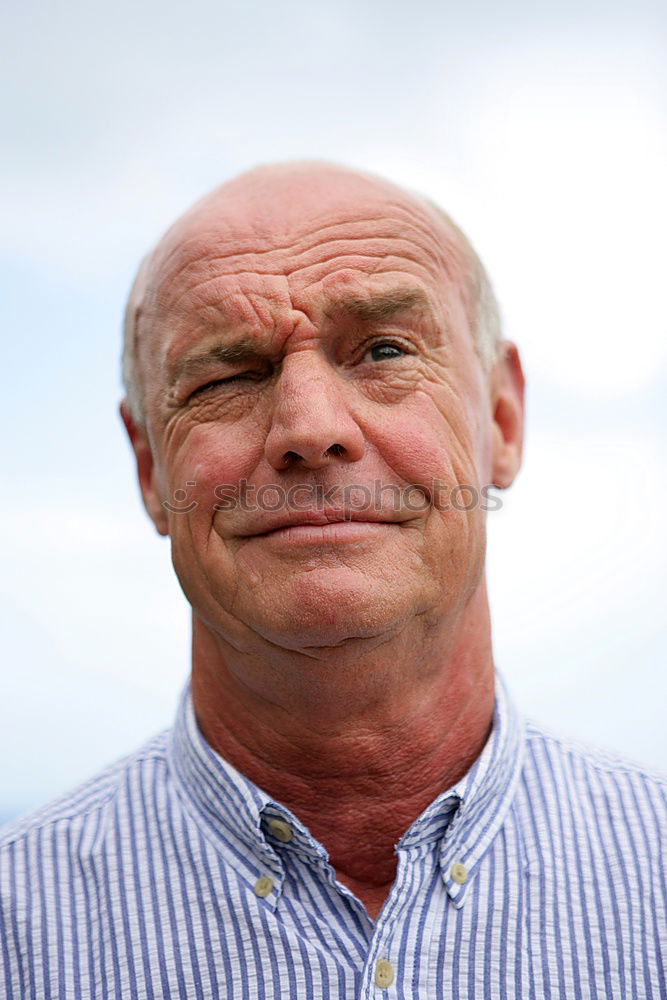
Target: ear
[(507, 407), (146, 470)]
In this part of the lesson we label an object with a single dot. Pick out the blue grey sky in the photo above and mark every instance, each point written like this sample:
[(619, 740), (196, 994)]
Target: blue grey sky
[(541, 127)]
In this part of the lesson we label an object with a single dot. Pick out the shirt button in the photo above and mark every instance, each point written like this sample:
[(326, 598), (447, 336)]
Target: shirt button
[(280, 830), (384, 974), (263, 886), (459, 872)]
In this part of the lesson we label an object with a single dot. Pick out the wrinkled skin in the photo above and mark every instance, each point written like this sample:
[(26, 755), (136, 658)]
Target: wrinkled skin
[(357, 367)]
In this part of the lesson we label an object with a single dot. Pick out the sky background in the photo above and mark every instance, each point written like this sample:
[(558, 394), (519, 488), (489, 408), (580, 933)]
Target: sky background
[(541, 127)]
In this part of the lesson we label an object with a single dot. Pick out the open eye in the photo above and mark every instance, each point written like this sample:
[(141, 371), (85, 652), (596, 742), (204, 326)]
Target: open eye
[(384, 351)]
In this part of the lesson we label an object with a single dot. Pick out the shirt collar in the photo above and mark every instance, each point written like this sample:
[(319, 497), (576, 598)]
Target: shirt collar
[(235, 814), (232, 812), (486, 794)]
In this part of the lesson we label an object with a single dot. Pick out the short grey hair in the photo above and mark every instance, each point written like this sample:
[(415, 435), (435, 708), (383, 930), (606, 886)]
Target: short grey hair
[(484, 316), (134, 396), (484, 311)]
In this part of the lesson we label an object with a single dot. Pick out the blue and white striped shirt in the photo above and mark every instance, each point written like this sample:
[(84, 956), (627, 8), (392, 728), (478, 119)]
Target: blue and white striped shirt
[(540, 874)]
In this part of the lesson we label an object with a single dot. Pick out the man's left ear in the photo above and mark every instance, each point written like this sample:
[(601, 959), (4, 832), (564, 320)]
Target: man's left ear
[(507, 408)]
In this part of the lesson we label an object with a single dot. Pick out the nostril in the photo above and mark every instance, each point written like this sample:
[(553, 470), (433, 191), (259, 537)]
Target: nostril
[(293, 456)]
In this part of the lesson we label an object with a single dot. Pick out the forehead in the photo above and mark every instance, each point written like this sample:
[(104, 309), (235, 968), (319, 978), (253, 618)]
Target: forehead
[(259, 254)]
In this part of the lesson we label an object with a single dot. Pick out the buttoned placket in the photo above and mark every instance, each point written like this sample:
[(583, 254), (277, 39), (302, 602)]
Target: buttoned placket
[(382, 961), (386, 951), (269, 872)]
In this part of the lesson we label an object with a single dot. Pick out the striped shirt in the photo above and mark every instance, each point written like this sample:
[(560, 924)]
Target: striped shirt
[(540, 874)]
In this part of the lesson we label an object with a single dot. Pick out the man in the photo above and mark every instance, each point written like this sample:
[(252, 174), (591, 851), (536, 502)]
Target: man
[(348, 805)]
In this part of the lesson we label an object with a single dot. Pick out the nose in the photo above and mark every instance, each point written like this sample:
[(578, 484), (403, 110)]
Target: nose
[(312, 424)]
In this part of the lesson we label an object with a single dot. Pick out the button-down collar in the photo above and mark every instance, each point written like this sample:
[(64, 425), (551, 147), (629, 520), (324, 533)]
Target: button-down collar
[(237, 816), (233, 812), (486, 793)]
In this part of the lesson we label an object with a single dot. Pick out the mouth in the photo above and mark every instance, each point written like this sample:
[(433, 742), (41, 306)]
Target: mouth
[(323, 526), (336, 532)]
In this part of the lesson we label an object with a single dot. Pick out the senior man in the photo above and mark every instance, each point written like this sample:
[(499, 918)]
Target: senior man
[(348, 805)]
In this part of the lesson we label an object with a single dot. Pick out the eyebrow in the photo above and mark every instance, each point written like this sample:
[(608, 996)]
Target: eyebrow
[(381, 307), (243, 350)]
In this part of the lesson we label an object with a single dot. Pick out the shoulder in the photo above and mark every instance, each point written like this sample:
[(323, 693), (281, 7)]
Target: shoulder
[(86, 802), (576, 758), (598, 795)]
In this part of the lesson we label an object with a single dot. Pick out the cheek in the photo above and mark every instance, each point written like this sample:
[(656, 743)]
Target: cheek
[(425, 444), (210, 458)]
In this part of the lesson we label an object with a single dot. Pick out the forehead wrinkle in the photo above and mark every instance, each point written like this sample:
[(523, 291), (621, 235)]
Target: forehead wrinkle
[(245, 237), (378, 247), (165, 304), (198, 247), (221, 300), (341, 254)]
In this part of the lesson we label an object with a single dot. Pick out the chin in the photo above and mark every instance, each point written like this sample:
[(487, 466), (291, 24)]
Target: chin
[(319, 611)]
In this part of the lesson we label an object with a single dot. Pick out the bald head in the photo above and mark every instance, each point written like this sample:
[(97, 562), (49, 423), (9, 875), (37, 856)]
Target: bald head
[(268, 207)]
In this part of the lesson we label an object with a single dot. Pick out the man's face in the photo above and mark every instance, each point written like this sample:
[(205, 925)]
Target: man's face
[(308, 368)]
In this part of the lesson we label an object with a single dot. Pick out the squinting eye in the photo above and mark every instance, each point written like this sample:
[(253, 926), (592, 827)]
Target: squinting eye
[(209, 385), (251, 376), (381, 352)]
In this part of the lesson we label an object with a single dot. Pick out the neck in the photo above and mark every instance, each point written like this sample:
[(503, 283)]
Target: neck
[(356, 741)]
